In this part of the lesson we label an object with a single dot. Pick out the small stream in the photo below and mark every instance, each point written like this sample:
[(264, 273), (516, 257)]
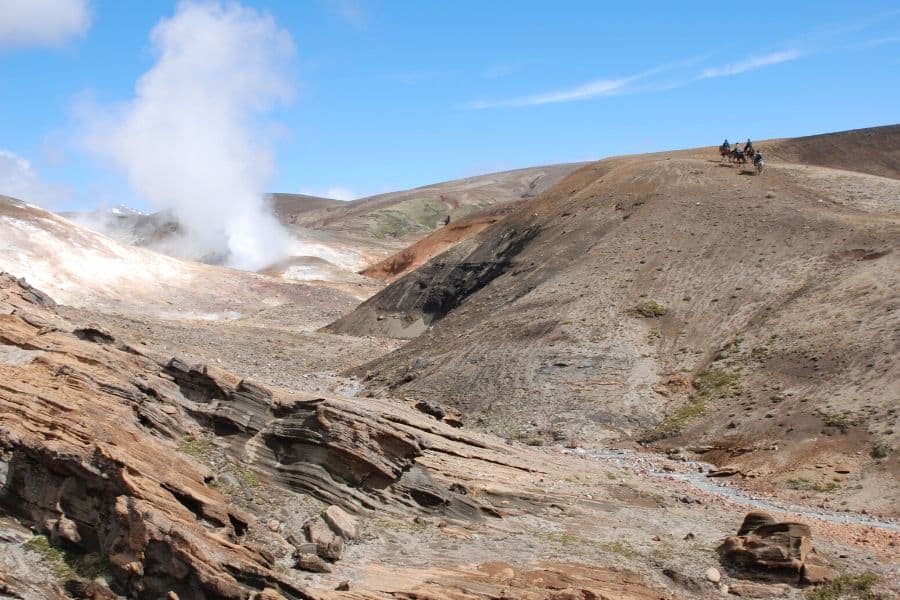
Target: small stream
[(698, 480)]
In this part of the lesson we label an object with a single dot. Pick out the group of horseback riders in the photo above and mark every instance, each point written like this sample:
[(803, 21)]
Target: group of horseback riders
[(742, 155)]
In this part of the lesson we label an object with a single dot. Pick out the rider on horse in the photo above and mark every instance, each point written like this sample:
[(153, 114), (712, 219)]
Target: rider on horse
[(726, 145), (758, 158)]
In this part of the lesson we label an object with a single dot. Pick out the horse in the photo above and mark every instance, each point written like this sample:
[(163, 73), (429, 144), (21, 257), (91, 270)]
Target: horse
[(724, 151), (738, 156), (760, 164)]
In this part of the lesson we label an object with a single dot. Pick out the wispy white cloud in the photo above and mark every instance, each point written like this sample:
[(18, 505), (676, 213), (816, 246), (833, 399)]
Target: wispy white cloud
[(592, 89), (751, 64), (648, 81), (42, 22), (873, 43), (335, 192), (19, 179)]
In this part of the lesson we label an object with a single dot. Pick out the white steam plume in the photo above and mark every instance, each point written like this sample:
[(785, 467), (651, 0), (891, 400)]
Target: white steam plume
[(193, 140)]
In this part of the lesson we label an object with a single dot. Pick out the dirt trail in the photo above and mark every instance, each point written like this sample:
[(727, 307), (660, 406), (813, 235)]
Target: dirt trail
[(694, 475)]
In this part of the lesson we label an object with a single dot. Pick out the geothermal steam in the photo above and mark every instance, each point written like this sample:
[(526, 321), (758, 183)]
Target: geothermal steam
[(194, 138)]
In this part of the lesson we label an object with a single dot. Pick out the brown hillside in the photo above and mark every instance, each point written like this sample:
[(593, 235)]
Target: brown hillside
[(288, 206), (410, 214), (875, 150), (435, 243), (777, 347)]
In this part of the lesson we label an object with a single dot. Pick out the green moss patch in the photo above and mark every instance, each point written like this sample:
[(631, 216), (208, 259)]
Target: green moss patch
[(857, 587), (67, 564), (651, 309), (406, 217), (710, 384)]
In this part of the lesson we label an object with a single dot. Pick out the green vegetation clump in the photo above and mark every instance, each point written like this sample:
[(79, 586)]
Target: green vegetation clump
[(463, 210), (618, 548), (842, 421), (244, 486), (406, 217), (803, 484), (716, 382), (856, 587), (250, 478), (673, 423), (67, 564), (651, 309), (52, 557), (730, 348), (880, 450), (710, 384), (759, 352), (194, 446), (568, 539)]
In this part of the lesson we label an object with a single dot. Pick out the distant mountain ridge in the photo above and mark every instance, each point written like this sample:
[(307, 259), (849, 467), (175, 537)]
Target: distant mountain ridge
[(369, 228)]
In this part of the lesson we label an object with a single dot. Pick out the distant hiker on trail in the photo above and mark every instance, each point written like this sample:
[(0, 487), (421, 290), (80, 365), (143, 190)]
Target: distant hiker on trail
[(725, 150)]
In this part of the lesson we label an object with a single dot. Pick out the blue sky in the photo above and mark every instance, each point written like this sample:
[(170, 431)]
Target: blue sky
[(391, 95)]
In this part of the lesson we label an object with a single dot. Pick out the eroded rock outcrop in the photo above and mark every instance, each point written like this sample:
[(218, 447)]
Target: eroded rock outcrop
[(326, 535), (86, 461), (89, 431), (335, 449), (773, 551)]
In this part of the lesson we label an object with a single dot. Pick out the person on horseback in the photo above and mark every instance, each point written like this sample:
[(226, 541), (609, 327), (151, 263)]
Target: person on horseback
[(726, 145), (748, 146), (757, 158)]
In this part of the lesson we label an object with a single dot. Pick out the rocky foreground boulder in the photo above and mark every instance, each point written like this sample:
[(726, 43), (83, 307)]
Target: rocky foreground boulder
[(778, 552)]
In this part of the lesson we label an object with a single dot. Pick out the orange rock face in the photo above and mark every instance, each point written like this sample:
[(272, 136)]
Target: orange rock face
[(82, 425)]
